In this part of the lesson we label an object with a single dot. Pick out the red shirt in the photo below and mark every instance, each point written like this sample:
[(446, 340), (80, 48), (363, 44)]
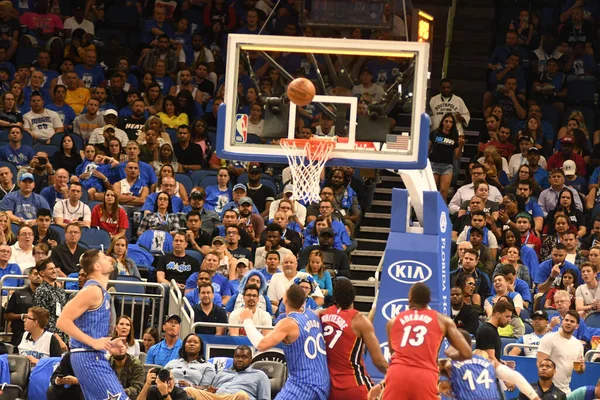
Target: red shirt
[(505, 150), (344, 349), (557, 160), (109, 225), (416, 337), (532, 241)]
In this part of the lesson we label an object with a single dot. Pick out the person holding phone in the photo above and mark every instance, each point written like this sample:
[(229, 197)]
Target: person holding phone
[(160, 385)]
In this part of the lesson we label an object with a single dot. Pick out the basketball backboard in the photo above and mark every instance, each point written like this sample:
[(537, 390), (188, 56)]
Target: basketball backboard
[(362, 125)]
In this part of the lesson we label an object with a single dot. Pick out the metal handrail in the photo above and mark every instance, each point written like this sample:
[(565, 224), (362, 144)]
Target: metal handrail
[(224, 325), (590, 353), (187, 317), (520, 346)]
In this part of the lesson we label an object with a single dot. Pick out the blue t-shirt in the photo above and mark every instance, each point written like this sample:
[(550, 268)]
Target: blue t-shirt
[(66, 113), (533, 208), (147, 174), (215, 199), (19, 157), (22, 207), (147, 36), (91, 77), (165, 83), (49, 193), (161, 354), (543, 272), (10, 67), (176, 203), (265, 273), (11, 269), (384, 73), (220, 284), (49, 74), (27, 91), (339, 230)]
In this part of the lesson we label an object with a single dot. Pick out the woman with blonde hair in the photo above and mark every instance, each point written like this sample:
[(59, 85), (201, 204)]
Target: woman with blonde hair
[(155, 123), (6, 234), (123, 264), (124, 330), (497, 167), (316, 268), (578, 117)]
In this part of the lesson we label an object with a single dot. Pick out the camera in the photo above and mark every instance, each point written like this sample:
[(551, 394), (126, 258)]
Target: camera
[(43, 160), (163, 374)]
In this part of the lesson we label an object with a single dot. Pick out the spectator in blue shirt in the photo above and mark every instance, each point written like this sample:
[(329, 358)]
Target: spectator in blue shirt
[(194, 296), (15, 152), (168, 348), (550, 269), (64, 111), (7, 268), (211, 263), (89, 72), (22, 206)]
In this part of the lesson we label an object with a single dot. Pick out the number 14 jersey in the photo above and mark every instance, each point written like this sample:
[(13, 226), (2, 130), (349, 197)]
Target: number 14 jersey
[(344, 349), (416, 337)]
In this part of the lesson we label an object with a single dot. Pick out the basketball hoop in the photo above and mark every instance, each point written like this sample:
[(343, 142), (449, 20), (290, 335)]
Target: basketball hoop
[(307, 159)]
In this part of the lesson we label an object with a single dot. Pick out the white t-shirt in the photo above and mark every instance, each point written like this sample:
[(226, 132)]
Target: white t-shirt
[(97, 136), (279, 284), (440, 106), (38, 349), (516, 160), (563, 352), (532, 339), (260, 317), (299, 209), (261, 254), (42, 126), (86, 25), (375, 92), (63, 209)]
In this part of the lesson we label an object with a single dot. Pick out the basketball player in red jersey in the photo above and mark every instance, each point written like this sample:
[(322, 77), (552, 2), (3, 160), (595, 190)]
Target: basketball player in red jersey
[(414, 338), (346, 332)]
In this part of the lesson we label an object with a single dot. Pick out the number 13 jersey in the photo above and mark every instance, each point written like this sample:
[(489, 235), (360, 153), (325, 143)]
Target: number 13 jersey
[(416, 337), (344, 349)]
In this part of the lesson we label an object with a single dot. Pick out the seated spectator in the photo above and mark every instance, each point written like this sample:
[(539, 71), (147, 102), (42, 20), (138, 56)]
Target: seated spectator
[(478, 220), (186, 151), (518, 285), (297, 210), (464, 315), (19, 303), (15, 152), (272, 266), (335, 261), (166, 156), (9, 111), (109, 217), (167, 171), (550, 87), (36, 342), (168, 348), (131, 190), (540, 329), (565, 282), (481, 284), (100, 136), (89, 72), (153, 98), (501, 289), (6, 182), (239, 192), (552, 268), (274, 234), (465, 192), (63, 383), (233, 247), (128, 369), (251, 277), (169, 186), (206, 310), (41, 251), (147, 174), (219, 282), (240, 381), (51, 296), (72, 209), (171, 116), (195, 297), (282, 281), (259, 316), (85, 124), (313, 230), (67, 255), (220, 194), (124, 330), (123, 264), (190, 369), (290, 237), (163, 218), (42, 232), (41, 122), (548, 198), (64, 111), (96, 172), (7, 268), (515, 327), (6, 234), (116, 150), (149, 339), (261, 195), (178, 265), (587, 298), (22, 250), (316, 269), (566, 153), (197, 238), (209, 217), (41, 169), (573, 180), (308, 285), (36, 82), (482, 191), (67, 157), (562, 226)]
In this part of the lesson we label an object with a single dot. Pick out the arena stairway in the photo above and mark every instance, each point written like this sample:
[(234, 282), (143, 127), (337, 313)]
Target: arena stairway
[(372, 239)]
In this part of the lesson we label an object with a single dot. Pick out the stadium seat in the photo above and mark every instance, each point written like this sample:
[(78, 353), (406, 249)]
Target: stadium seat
[(196, 254), (147, 272), (48, 148), (137, 289), (172, 135), (528, 327), (525, 314), (186, 181), (93, 203), (9, 348), (19, 370), (12, 168), (142, 357), (96, 238), (265, 180), (198, 175), (26, 141), (551, 313), (277, 373), (57, 139), (581, 92), (593, 320), (505, 341), (124, 17), (208, 180), (14, 228), (60, 230)]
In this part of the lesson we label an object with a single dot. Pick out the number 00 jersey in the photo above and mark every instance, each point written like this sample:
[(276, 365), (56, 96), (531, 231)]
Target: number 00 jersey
[(416, 337), (344, 349), (474, 379)]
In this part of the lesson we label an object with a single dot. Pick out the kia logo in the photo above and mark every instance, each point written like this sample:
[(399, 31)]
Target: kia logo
[(409, 271), (393, 308)]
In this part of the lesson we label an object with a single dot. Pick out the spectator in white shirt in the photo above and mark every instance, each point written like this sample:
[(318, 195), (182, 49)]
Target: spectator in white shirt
[(260, 317), (72, 209), (447, 102), (465, 192), (41, 122)]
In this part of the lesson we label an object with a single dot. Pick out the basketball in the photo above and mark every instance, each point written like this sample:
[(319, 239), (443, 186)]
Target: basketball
[(301, 91)]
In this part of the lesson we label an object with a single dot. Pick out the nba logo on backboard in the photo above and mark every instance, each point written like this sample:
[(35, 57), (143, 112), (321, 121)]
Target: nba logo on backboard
[(241, 128)]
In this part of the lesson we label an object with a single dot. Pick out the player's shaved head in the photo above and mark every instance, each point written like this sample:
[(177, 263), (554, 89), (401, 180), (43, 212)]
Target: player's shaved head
[(295, 297), (344, 293), (419, 294)]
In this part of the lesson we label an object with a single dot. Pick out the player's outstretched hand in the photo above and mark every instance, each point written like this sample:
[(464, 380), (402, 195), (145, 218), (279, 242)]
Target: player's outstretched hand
[(375, 392), (246, 314), (102, 343)]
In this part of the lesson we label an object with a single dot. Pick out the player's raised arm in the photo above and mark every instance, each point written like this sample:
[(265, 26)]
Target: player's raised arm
[(87, 298), (282, 330)]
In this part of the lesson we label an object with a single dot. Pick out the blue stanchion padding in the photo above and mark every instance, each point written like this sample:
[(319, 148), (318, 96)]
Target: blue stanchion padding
[(410, 258)]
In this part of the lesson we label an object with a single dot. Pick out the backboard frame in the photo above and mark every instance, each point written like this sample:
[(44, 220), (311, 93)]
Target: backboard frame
[(414, 158)]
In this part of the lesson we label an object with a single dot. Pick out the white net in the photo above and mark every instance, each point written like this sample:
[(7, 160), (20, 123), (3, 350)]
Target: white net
[(307, 159)]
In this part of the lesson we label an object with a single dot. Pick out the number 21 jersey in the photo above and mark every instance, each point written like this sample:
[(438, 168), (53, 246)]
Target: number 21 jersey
[(416, 337)]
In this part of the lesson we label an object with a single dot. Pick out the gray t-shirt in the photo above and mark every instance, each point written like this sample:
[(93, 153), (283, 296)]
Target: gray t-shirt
[(588, 295)]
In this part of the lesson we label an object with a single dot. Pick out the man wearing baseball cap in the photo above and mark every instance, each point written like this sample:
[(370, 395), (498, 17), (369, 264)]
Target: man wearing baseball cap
[(168, 348), (540, 175), (572, 179), (239, 192), (516, 160), (101, 136), (567, 145), (540, 329), (22, 206)]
